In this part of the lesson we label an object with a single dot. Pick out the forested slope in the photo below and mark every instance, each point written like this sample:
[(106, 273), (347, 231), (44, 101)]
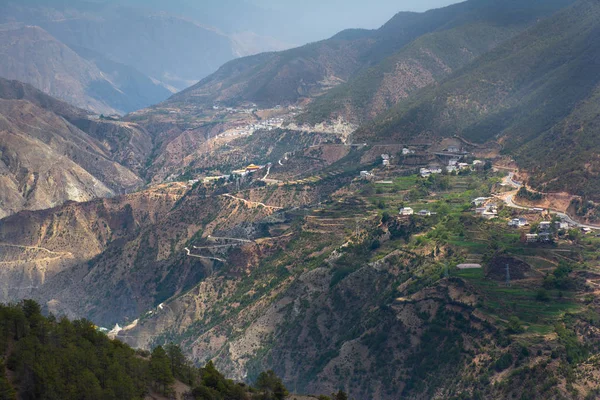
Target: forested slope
[(49, 358)]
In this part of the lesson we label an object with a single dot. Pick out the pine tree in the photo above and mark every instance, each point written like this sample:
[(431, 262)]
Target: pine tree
[(272, 385), (160, 369)]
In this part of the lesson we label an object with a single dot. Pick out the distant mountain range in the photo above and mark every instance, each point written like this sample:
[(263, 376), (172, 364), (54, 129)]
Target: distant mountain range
[(112, 59)]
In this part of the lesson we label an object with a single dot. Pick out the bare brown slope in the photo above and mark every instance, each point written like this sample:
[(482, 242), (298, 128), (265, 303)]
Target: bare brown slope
[(306, 72), (37, 245), (127, 143), (45, 161)]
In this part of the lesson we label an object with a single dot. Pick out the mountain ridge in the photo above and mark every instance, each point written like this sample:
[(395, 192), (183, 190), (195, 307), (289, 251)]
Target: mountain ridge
[(521, 93), (427, 60)]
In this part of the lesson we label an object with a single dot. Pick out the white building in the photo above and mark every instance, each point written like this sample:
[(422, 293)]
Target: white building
[(561, 225), (490, 213), (386, 160), (518, 222), (435, 169), (406, 211), (366, 175), (531, 237), (480, 200)]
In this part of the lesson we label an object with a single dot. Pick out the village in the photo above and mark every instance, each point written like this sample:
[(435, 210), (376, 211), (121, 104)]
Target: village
[(535, 224), (274, 118), (428, 162), (241, 173)]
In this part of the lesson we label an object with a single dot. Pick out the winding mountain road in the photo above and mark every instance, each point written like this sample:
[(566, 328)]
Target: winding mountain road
[(252, 203), (63, 253), (210, 237), (509, 199), (189, 254)]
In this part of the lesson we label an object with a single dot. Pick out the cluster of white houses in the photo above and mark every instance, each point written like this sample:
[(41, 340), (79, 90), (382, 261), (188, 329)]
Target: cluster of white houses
[(453, 166), (238, 172), (406, 211)]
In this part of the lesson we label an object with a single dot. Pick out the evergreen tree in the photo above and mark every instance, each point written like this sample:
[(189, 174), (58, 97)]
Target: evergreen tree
[(271, 384), (160, 370), (177, 360)]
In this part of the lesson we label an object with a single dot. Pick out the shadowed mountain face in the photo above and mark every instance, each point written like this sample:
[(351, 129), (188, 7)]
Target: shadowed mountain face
[(428, 59), (45, 159), (536, 94)]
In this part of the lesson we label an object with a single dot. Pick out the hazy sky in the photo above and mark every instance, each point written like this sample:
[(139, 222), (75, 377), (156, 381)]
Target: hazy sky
[(292, 21), (324, 18)]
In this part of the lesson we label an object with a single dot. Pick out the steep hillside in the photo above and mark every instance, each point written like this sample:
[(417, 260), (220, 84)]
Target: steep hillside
[(43, 357), (429, 59), (350, 298), (128, 143), (319, 279), (535, 94), (174, 51), (46, 160), (31, 55), (38, 245), (309, 71)]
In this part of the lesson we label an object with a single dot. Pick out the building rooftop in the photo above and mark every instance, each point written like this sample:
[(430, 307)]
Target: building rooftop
[(468, 266)]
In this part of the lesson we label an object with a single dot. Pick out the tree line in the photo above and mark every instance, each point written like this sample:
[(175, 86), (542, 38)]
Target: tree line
[(42, 357)]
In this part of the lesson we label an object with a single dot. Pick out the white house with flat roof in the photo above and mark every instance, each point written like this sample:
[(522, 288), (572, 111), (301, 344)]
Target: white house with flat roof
[(406, 211)]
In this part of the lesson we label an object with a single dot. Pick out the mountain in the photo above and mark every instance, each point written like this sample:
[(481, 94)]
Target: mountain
[(308, 71), (305, 266), (46, 160), (319, 280), (428, 59), (382, 67), (32, 55), (535, 94), (168, 49)]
